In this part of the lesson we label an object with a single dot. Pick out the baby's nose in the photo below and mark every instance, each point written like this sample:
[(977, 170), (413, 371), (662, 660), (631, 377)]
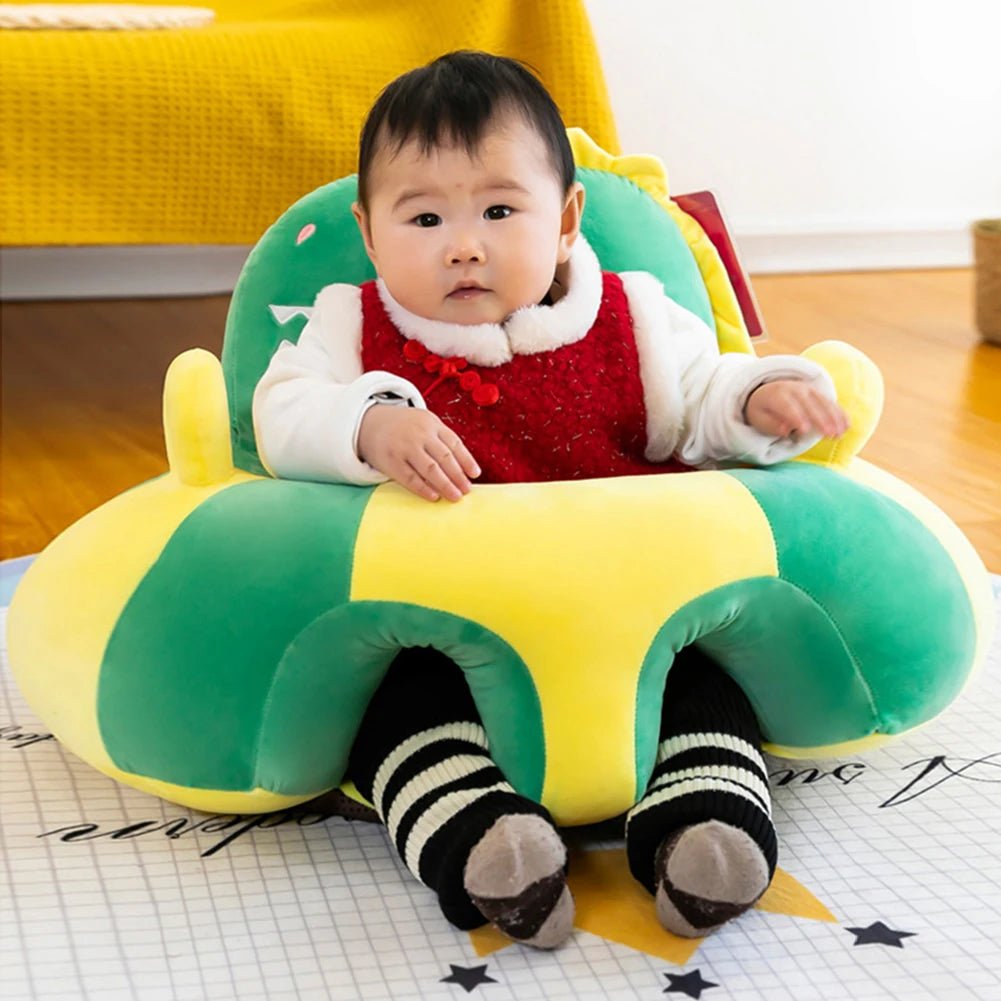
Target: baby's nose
[(466, 252)]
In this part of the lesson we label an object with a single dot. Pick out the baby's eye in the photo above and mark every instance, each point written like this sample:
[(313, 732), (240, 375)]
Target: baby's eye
[(427, 219), (497, 212)]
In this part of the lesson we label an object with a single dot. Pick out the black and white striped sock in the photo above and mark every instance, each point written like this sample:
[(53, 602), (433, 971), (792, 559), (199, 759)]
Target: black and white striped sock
[(422, 759), (438, 793), (708, 767)]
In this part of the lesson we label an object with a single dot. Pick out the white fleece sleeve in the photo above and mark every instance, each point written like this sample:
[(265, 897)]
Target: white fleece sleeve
[(716, 394), (309, 403), (695, 396)]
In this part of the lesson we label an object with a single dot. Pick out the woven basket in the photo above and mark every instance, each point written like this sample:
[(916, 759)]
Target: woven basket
[(987, 267)]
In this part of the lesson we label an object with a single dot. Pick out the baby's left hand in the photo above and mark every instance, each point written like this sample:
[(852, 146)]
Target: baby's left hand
[(791, 408)]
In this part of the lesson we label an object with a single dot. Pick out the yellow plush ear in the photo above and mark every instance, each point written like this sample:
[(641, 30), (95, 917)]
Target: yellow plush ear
[(642, 169), (860, 391), (196, 420)]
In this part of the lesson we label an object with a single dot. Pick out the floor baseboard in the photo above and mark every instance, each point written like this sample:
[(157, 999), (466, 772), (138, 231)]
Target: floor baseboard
[(883, 250), (119, 272)]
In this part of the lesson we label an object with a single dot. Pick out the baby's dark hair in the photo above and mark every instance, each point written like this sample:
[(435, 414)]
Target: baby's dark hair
[(452, 99)]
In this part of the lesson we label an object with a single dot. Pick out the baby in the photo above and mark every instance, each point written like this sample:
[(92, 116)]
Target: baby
[(493, 348)]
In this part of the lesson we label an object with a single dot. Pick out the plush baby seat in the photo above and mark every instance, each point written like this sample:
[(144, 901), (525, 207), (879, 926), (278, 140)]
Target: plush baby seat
[(214, 636)]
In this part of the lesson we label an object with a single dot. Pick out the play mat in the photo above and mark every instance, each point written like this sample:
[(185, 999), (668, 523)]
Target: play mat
[(889, 888)]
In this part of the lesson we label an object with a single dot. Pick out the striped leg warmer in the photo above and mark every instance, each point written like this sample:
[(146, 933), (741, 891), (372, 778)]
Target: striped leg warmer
[(421, 757), (701, 839)]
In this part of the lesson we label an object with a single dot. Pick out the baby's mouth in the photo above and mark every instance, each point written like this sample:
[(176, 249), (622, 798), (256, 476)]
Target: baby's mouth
[(467, 290)]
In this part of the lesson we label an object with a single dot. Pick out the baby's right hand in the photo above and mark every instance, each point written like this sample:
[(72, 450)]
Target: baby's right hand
[(414, 448)]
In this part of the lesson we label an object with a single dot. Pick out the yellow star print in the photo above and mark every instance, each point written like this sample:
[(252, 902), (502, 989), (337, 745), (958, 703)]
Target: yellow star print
[(612, 905)]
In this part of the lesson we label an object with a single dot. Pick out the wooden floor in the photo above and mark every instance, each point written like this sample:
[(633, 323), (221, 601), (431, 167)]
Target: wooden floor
[(82, 382)]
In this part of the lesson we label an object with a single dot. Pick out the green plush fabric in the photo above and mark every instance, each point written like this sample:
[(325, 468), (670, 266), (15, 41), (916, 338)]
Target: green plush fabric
[(772, 638), (884, 581), (288, 730), (879, 630), (217, 634), (311, 717), (283, 272)]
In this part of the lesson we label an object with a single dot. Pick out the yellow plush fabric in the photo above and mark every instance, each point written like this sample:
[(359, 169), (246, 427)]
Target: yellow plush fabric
[(528, 532), (206, 135)]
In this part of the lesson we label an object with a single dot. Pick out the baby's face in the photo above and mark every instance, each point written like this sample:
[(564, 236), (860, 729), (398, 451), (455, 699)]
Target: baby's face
[(469, 239)]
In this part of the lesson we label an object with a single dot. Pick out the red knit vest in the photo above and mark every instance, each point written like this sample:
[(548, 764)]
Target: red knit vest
[(575, 412)]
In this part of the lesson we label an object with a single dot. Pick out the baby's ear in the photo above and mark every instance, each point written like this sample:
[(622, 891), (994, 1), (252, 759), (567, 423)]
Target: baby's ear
[(361, 217), (573, 209)]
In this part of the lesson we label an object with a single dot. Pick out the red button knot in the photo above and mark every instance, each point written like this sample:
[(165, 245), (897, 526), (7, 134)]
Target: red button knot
[(414, 351), (486, 395), (455, 367)]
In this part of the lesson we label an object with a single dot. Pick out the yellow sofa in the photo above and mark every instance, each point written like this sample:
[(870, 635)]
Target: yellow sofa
[(206, 135)]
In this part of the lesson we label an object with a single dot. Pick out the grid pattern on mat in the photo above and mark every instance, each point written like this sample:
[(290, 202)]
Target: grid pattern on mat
[(156, 903)]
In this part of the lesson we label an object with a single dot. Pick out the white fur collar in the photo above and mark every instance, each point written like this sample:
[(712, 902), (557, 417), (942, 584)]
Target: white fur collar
[(529, 330)]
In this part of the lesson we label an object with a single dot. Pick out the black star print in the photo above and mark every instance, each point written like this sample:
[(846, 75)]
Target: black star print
[(468, 977), (691, 984), (877, 933)]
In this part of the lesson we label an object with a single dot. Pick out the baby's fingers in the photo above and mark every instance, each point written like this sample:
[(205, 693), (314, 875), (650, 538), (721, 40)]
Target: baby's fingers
[(462, 454), (441, 471), (792, 418), (825, 415), (414, 480)]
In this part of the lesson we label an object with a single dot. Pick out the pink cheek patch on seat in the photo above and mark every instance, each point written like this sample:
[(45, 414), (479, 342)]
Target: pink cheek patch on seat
[(305, 233)]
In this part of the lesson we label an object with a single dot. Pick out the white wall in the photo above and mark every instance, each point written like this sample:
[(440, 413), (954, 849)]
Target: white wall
[(848, 134)]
